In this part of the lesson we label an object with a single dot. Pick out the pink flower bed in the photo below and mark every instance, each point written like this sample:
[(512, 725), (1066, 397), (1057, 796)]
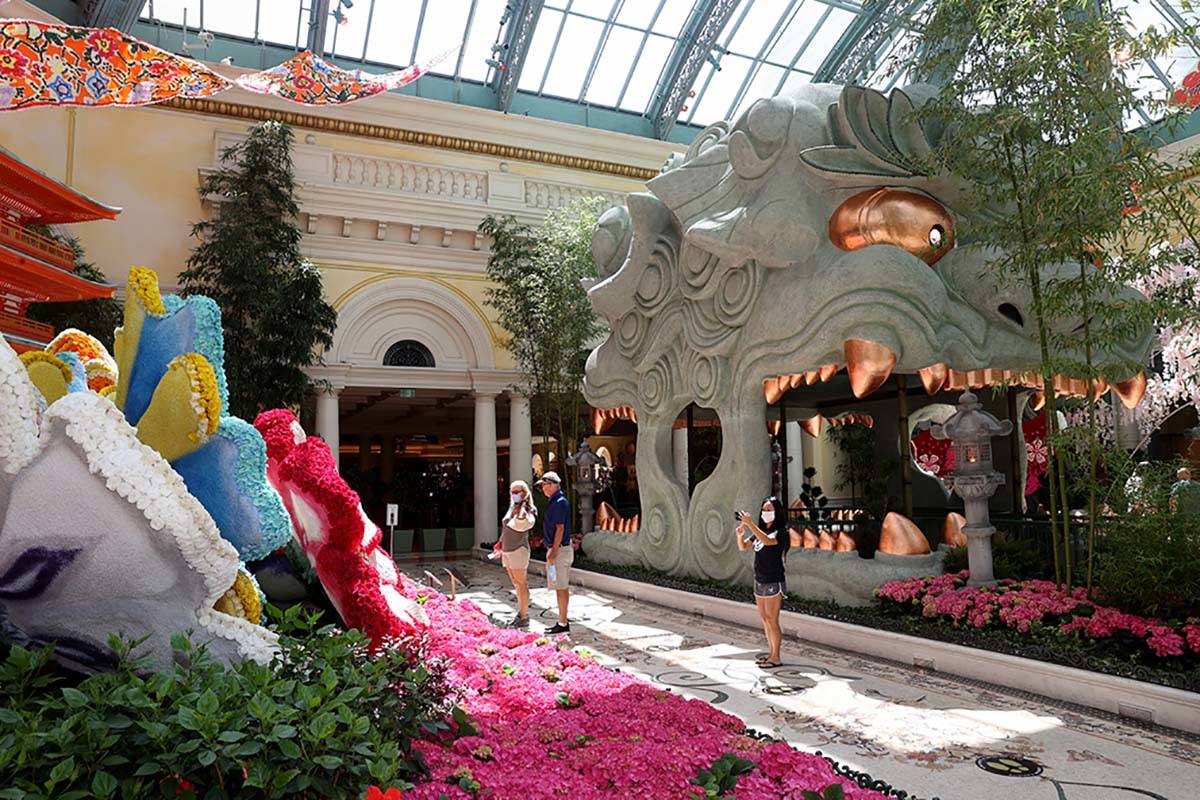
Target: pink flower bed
[(1024, 605), (552, 723)]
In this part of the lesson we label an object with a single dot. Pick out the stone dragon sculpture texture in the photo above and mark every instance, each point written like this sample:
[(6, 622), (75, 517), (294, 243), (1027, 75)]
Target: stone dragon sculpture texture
[(735, 269)]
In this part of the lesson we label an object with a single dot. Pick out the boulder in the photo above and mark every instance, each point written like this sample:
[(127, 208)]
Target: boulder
[(901, 537)]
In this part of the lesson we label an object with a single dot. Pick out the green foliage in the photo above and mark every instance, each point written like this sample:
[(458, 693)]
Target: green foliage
[(860, 469), (720, 779), (326, 719), (249, 261), (811, 495), (1011, 558), (1148, 559), (1034, 102), (97, 317), (539, 298), (833, 791)]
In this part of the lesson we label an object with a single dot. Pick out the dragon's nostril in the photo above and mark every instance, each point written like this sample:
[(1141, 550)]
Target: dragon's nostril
[(1012, 312)]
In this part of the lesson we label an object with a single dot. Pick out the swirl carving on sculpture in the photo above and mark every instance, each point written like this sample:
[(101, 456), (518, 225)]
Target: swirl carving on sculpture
[(809, 236)]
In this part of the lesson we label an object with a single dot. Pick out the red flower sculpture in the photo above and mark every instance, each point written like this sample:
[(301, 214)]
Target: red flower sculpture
[(341, 543)]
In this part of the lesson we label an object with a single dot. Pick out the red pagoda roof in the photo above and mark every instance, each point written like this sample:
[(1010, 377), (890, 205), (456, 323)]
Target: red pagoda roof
[(29, 196)]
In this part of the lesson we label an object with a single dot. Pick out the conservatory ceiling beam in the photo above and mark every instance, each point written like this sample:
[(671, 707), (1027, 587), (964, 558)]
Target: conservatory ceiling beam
[(511, 51), (119, 14), (692, 49), (858, 43), (318, 23)]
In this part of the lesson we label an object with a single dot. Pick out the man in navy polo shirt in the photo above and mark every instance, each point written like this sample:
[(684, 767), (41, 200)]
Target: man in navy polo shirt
[(560, 554)]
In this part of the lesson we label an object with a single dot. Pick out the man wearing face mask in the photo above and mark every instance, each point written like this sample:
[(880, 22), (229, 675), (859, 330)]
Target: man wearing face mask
[(770, 540)]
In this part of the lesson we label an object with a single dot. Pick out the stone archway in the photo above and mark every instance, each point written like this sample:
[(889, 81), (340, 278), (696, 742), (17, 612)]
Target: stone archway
[(378, 315)]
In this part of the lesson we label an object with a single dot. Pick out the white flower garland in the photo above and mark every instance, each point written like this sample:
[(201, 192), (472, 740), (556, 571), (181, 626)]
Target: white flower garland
[(142, 477), (20, 413)]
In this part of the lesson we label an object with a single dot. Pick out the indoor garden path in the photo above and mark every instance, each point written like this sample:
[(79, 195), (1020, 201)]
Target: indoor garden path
[(924, 732)]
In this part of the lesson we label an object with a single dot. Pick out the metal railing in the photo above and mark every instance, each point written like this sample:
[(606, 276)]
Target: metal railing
[(36, 245)]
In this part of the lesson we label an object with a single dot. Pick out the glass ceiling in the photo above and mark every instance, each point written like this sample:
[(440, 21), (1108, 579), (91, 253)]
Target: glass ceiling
[(587, 57)]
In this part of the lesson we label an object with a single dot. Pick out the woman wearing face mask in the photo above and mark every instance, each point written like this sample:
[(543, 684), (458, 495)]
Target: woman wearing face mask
[(514, 547), (770, 540)]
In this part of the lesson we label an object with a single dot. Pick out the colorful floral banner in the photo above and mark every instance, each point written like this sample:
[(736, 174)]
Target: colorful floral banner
[(45, 64), (312, 81), (1037, 454), (55, 65)]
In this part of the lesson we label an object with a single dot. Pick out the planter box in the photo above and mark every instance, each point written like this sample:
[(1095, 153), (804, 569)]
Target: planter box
[(464, 538), (1173, 708), (402, 541), (433, 541)]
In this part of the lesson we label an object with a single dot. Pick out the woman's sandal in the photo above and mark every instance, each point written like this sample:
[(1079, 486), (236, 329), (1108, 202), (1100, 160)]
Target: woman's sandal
[(764, 663)]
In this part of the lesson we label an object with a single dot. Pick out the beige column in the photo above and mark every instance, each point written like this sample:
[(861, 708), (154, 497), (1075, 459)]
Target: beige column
[(520, 439), (487, 520), (795, 468), (328, 419)]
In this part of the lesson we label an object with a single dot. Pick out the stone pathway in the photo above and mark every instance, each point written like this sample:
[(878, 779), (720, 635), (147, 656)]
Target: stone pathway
[(920, 731)]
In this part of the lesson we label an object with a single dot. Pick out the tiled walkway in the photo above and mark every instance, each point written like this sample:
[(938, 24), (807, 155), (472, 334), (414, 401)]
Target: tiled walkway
[(919, 731)]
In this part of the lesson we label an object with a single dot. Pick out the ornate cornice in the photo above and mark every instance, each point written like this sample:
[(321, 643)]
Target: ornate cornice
[(299, 119)]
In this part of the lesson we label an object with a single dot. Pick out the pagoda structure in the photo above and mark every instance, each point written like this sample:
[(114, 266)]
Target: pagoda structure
[(36, 268)]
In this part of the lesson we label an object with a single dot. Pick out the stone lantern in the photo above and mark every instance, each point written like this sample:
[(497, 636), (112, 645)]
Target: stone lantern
[(584, 461), (970, 432)]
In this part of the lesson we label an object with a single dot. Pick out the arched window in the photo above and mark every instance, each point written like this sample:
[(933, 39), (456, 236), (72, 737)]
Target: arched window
[(408, 354)]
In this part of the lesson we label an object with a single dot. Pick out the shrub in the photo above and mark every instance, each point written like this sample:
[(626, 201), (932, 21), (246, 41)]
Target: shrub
[(720, 779), (325, 719), (1148, 558), (1011, 558)]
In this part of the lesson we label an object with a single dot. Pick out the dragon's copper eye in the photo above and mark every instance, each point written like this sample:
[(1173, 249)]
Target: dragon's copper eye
[(911, 221)]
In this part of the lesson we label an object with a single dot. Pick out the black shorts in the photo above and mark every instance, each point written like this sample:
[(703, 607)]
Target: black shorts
[(770, 589)]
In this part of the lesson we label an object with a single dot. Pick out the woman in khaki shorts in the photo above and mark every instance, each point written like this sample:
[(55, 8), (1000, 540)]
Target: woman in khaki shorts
[(514, 547)]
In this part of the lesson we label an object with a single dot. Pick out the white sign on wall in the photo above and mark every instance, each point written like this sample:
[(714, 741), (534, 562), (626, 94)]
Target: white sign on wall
[(393, 514)]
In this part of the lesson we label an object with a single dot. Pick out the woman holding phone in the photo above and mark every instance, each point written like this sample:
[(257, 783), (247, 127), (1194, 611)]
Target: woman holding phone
[(514, 547), (770, 540)]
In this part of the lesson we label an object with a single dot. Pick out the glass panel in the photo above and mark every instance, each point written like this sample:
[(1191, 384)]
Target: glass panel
[(721, 91), (172, 11), (347, 38), (593, 8), (445, 24), (795, 80), (235, 18), (673, 15), (639, 13), (539, 50), (757, 26), (613, 66), (478, 48), (689, 105), (646, 73), (580, 37), (827, 36), (796, 33), (277, 22), (393, 26)]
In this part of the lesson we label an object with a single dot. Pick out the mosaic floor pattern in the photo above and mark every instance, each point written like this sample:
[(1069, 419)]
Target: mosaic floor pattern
[(925, 732)]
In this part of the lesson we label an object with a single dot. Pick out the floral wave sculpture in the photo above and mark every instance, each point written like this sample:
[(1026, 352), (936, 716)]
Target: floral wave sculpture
[(99, 536), (552, 723), (1035, 606), (338, 539)]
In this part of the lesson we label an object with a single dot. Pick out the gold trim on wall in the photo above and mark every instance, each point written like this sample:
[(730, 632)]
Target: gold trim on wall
[(299, 119)]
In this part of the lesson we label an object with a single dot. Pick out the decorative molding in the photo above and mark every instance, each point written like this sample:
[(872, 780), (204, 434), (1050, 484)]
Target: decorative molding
[(313, 219), (381, 230), (414, 234), (447, 236), (345, 376), (545, 194), (411, 177), (299, 119), (347, 226)]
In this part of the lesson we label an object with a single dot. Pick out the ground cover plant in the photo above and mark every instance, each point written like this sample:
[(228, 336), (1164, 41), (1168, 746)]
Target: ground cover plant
[(1121, 656), (328, 718)]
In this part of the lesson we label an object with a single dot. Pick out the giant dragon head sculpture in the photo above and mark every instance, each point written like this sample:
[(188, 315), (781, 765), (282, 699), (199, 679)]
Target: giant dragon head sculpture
[(805, 237)]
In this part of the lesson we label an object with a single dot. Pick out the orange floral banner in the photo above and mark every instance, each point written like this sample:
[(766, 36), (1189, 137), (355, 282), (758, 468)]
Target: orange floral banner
[(45, 64)]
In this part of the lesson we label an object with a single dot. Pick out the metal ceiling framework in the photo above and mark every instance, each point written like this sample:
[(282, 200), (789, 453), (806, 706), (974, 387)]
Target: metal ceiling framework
[(510, 52), (693, 48), (859, 36), (119, 14)]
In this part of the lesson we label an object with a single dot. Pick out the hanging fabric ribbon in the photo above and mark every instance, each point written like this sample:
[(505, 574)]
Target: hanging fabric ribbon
[(61, 65), (313, 81), (44, 64)]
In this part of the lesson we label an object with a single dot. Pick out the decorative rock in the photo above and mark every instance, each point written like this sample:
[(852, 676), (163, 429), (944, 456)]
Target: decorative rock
[(952, 530), (846, 543), (811, 539), (826, 541), (900, 536)]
